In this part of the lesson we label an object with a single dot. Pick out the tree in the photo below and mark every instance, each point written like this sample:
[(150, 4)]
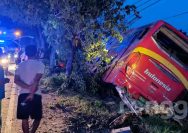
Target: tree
[(62, 20)]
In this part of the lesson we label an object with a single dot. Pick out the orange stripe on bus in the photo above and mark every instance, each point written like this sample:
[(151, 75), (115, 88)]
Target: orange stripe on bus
[(165, 62)]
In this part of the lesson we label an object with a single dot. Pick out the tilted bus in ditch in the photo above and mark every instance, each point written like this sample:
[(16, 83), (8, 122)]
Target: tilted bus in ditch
[(151, 63)]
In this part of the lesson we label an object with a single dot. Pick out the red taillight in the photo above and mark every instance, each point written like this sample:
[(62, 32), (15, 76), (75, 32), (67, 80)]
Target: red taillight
[(128, 71), (132, 63)]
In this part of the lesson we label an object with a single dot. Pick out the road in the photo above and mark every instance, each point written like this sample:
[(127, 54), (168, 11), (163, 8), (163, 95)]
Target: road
[(9, 108), (9, 104)]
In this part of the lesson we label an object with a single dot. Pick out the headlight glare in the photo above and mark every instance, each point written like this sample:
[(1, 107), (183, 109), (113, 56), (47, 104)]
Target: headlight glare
[(15, 56), (4, 61)]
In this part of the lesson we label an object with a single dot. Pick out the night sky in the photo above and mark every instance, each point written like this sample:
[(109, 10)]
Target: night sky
[(174, 12)]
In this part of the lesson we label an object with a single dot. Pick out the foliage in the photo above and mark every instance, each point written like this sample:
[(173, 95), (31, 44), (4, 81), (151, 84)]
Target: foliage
[(80, 80), (154, 124), (89, 113), (62, 19), (31, 12), (86, 105), (97, 54)]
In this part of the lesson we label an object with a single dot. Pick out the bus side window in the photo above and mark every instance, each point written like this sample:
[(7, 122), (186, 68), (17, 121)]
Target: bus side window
[(143, 33), (139, 34)]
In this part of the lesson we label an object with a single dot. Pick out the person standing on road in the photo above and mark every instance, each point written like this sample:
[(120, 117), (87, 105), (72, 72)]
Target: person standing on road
[(27, 77)]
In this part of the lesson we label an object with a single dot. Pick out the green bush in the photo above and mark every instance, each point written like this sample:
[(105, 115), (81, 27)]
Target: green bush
[(82, 79), (154, 124)]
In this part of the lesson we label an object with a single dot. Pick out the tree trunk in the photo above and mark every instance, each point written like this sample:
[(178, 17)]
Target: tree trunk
[(70, 59), (41, 38), (52, 58)]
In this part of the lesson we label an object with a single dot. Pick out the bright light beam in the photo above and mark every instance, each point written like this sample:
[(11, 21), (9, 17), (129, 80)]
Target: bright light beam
[(2, 41)]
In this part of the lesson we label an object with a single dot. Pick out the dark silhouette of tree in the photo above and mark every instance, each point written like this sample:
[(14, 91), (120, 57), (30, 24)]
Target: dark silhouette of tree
[(70, 25)]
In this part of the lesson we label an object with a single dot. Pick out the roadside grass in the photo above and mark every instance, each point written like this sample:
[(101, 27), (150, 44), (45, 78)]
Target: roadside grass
[(155, 124), (90, 114), (87, 106)]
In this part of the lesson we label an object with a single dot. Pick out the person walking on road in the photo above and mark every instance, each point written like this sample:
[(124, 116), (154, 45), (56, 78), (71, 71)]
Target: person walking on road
[(27, 77)]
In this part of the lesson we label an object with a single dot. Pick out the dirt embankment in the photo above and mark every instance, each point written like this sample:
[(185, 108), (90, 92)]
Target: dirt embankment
[(72, 112)]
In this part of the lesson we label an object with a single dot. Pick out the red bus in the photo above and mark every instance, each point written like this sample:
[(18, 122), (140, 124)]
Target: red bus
[(151, 62)]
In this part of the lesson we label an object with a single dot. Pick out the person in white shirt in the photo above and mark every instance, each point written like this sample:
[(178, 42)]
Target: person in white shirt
[(27, 77)]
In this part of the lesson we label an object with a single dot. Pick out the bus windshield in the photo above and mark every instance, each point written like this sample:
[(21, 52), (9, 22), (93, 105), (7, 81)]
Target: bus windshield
[(175, 46), (115, 47)]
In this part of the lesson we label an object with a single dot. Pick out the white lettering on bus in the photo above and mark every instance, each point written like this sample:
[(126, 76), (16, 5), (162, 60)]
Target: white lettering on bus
[(161, 83)]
